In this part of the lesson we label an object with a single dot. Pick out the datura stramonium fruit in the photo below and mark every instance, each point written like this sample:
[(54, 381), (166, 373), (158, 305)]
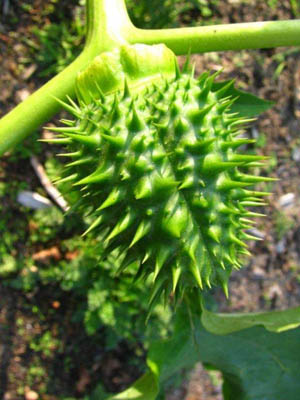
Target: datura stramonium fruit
[(154, 152)]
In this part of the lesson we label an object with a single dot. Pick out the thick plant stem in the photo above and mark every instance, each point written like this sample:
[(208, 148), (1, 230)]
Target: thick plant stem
[(37, 108), (107, 22), (254, 35), (109, 26)]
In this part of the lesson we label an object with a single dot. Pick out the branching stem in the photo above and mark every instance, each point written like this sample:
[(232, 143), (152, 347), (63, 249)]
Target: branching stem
[(107, 22), (254, 35), (108, 26)]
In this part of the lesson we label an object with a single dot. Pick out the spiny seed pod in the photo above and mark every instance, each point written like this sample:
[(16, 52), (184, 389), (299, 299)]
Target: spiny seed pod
[(154, 153)]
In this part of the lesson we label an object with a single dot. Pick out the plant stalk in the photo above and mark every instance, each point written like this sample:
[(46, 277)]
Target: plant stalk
[(253, 35), (108, 26), (107, 21), (39, 107)]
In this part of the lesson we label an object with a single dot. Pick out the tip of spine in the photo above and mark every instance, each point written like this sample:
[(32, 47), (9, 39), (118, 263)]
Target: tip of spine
[(177, 70)]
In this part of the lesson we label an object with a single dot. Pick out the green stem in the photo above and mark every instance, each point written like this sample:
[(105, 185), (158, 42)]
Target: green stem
[(108, 26), (37, 108), (254, 35), (107, 21)]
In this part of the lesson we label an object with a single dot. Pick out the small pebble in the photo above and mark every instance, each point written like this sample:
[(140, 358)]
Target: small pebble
[(33, 200), (296, 154), (31, 395), (287, 200), (254, 132), (256, 232), (281, 246), (22, 95), (26, 74), (274, 291), (258, 273)]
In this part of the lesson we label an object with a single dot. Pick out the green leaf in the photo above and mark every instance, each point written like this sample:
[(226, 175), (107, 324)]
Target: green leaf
[(167, 357), (247, 104), (274, 321), (145, 388), (256, 364)]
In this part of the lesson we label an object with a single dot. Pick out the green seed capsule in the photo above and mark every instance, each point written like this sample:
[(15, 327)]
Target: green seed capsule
[(160, 168)]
